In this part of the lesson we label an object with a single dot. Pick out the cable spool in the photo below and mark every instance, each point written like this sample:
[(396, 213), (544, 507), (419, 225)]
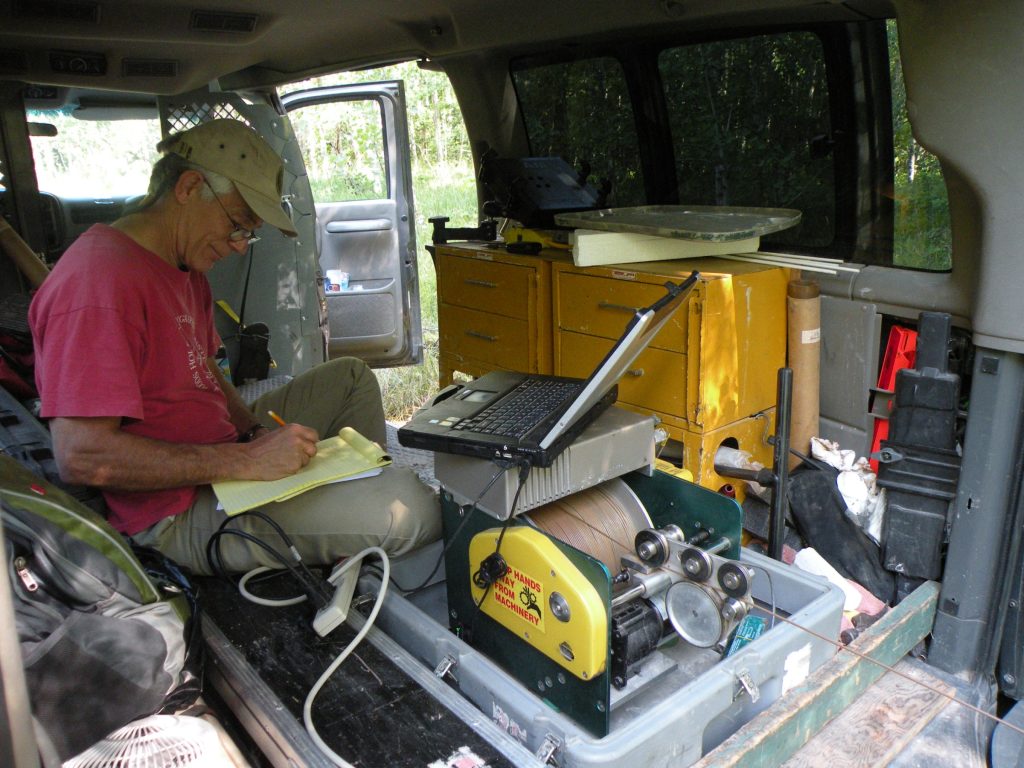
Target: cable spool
[(601, 521)]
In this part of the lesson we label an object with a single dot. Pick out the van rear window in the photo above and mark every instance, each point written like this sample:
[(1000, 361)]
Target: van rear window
[(802, 119), (748, 122), (580, 111), (750, 126)]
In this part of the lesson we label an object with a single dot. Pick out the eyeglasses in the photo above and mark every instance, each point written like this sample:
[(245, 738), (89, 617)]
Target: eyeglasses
[(239, 234)]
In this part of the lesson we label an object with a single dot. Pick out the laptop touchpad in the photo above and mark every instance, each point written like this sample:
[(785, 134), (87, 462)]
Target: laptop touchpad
[(477, 396)]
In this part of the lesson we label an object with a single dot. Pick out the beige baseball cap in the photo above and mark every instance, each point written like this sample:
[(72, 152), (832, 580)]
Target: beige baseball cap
[(235, 151)]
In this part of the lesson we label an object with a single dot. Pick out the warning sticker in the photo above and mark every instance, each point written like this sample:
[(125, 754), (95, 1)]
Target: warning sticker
[(507, 724), (522, 595), (463, 757)]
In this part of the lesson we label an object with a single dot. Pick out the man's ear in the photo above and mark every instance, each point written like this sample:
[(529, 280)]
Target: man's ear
[(189, 184)]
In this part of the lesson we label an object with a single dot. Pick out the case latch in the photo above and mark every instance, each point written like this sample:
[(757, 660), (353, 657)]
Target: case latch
[(548, 749), (445, 666)]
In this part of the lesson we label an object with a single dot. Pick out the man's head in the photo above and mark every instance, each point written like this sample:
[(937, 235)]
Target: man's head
[(233, 150), (214, 184)]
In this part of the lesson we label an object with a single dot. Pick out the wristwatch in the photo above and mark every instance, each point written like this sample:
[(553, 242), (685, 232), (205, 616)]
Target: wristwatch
[(250, 434)]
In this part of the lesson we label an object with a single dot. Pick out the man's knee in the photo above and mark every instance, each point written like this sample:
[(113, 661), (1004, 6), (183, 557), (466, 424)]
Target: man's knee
[(349, 379), (351, 368), (415, 513)]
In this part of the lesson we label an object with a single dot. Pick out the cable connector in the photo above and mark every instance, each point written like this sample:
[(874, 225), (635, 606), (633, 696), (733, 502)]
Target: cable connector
[(344, 578), (493, 568)]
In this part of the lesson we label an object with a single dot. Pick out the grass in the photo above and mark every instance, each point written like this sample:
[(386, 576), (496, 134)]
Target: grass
[(438, 191), (405, 389)]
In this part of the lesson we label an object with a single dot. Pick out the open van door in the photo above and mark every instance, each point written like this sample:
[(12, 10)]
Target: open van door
[(355, 145)]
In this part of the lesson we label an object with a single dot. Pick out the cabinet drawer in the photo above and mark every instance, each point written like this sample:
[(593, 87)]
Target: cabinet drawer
[(656, 381), (489, 338), (601, 306), (487, 285)]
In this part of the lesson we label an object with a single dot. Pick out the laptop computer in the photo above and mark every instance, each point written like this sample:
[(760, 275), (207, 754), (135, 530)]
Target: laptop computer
[(515, 416)]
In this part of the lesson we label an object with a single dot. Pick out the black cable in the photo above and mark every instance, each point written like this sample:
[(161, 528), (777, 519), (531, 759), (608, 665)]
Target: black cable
[(245, 287), (217, 535), (309, 584), (810, 460), (318, 584), (476, 611), (311, 581), (503, 467), (213, 557), (269, 521), (315, 595), (524, 472)]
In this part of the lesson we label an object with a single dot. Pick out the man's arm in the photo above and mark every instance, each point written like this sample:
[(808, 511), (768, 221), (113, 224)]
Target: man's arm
[(239, 413), (96, 451)]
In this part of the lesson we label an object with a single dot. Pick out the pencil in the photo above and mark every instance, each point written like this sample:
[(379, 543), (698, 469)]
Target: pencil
[(276, 418)]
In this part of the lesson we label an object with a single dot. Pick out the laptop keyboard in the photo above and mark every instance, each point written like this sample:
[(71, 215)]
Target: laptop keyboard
[(523, 408)]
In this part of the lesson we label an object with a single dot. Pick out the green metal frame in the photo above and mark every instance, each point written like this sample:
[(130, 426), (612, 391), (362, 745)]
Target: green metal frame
[(668, 500)]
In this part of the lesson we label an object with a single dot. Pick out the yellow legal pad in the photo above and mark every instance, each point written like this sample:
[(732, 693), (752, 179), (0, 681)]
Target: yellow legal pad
[(348, 456)]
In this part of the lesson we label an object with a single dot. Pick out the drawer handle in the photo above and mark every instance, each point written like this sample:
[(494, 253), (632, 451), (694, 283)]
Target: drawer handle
[(619, 307), (637, 372), (480, 283), (484, 336)]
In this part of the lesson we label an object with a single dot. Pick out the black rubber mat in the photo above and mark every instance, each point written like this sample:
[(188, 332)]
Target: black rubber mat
[(370, 712)]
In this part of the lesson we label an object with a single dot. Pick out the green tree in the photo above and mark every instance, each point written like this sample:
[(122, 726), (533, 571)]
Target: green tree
[(923, 239)]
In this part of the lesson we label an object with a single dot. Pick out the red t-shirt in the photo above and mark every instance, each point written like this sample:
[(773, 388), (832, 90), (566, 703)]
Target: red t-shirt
[(120, 332)]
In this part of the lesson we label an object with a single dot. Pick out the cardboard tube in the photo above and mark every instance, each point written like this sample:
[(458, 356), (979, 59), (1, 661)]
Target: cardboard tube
[(804, 322), (24, 258)]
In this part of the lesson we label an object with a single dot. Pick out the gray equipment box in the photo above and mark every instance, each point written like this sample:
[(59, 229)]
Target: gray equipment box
[(693, 701), (619, 441)]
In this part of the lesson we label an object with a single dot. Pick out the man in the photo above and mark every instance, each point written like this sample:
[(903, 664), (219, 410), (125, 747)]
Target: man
[(138, 407)]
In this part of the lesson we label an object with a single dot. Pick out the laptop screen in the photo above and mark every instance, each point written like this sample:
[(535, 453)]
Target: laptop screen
[(644, 325)]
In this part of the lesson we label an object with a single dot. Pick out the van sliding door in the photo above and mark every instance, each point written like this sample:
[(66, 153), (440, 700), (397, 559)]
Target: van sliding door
[(355, 145)]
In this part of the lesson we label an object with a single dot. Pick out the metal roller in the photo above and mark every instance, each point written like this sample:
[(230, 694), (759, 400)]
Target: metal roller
[(602, 521)]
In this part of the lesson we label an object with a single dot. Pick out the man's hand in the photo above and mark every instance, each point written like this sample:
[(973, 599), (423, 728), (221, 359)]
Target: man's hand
[(281, 452)]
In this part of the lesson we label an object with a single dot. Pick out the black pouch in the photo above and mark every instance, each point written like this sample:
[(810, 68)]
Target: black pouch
[(253, 354)]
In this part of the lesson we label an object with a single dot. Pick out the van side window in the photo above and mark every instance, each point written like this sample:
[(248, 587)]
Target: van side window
[(922, 230), (581, 111), (746, 116)]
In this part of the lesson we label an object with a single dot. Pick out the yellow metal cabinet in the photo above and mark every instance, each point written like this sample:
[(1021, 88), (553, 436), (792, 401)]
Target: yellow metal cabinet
[(709, 372), (494, 310), (709, 375), (700, 446)]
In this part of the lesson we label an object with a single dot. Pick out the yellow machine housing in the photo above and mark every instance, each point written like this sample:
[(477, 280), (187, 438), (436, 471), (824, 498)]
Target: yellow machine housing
[(548, 238), (544, 600)]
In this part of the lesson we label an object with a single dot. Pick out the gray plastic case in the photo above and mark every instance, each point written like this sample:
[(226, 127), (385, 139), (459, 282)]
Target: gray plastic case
[(673, 721)]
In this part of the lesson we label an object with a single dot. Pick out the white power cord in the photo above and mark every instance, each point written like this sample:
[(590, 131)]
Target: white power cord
[(279, 603), (307, 707)]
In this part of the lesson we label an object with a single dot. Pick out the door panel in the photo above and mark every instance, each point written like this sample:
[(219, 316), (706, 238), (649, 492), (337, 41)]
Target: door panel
[(356, 154)]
